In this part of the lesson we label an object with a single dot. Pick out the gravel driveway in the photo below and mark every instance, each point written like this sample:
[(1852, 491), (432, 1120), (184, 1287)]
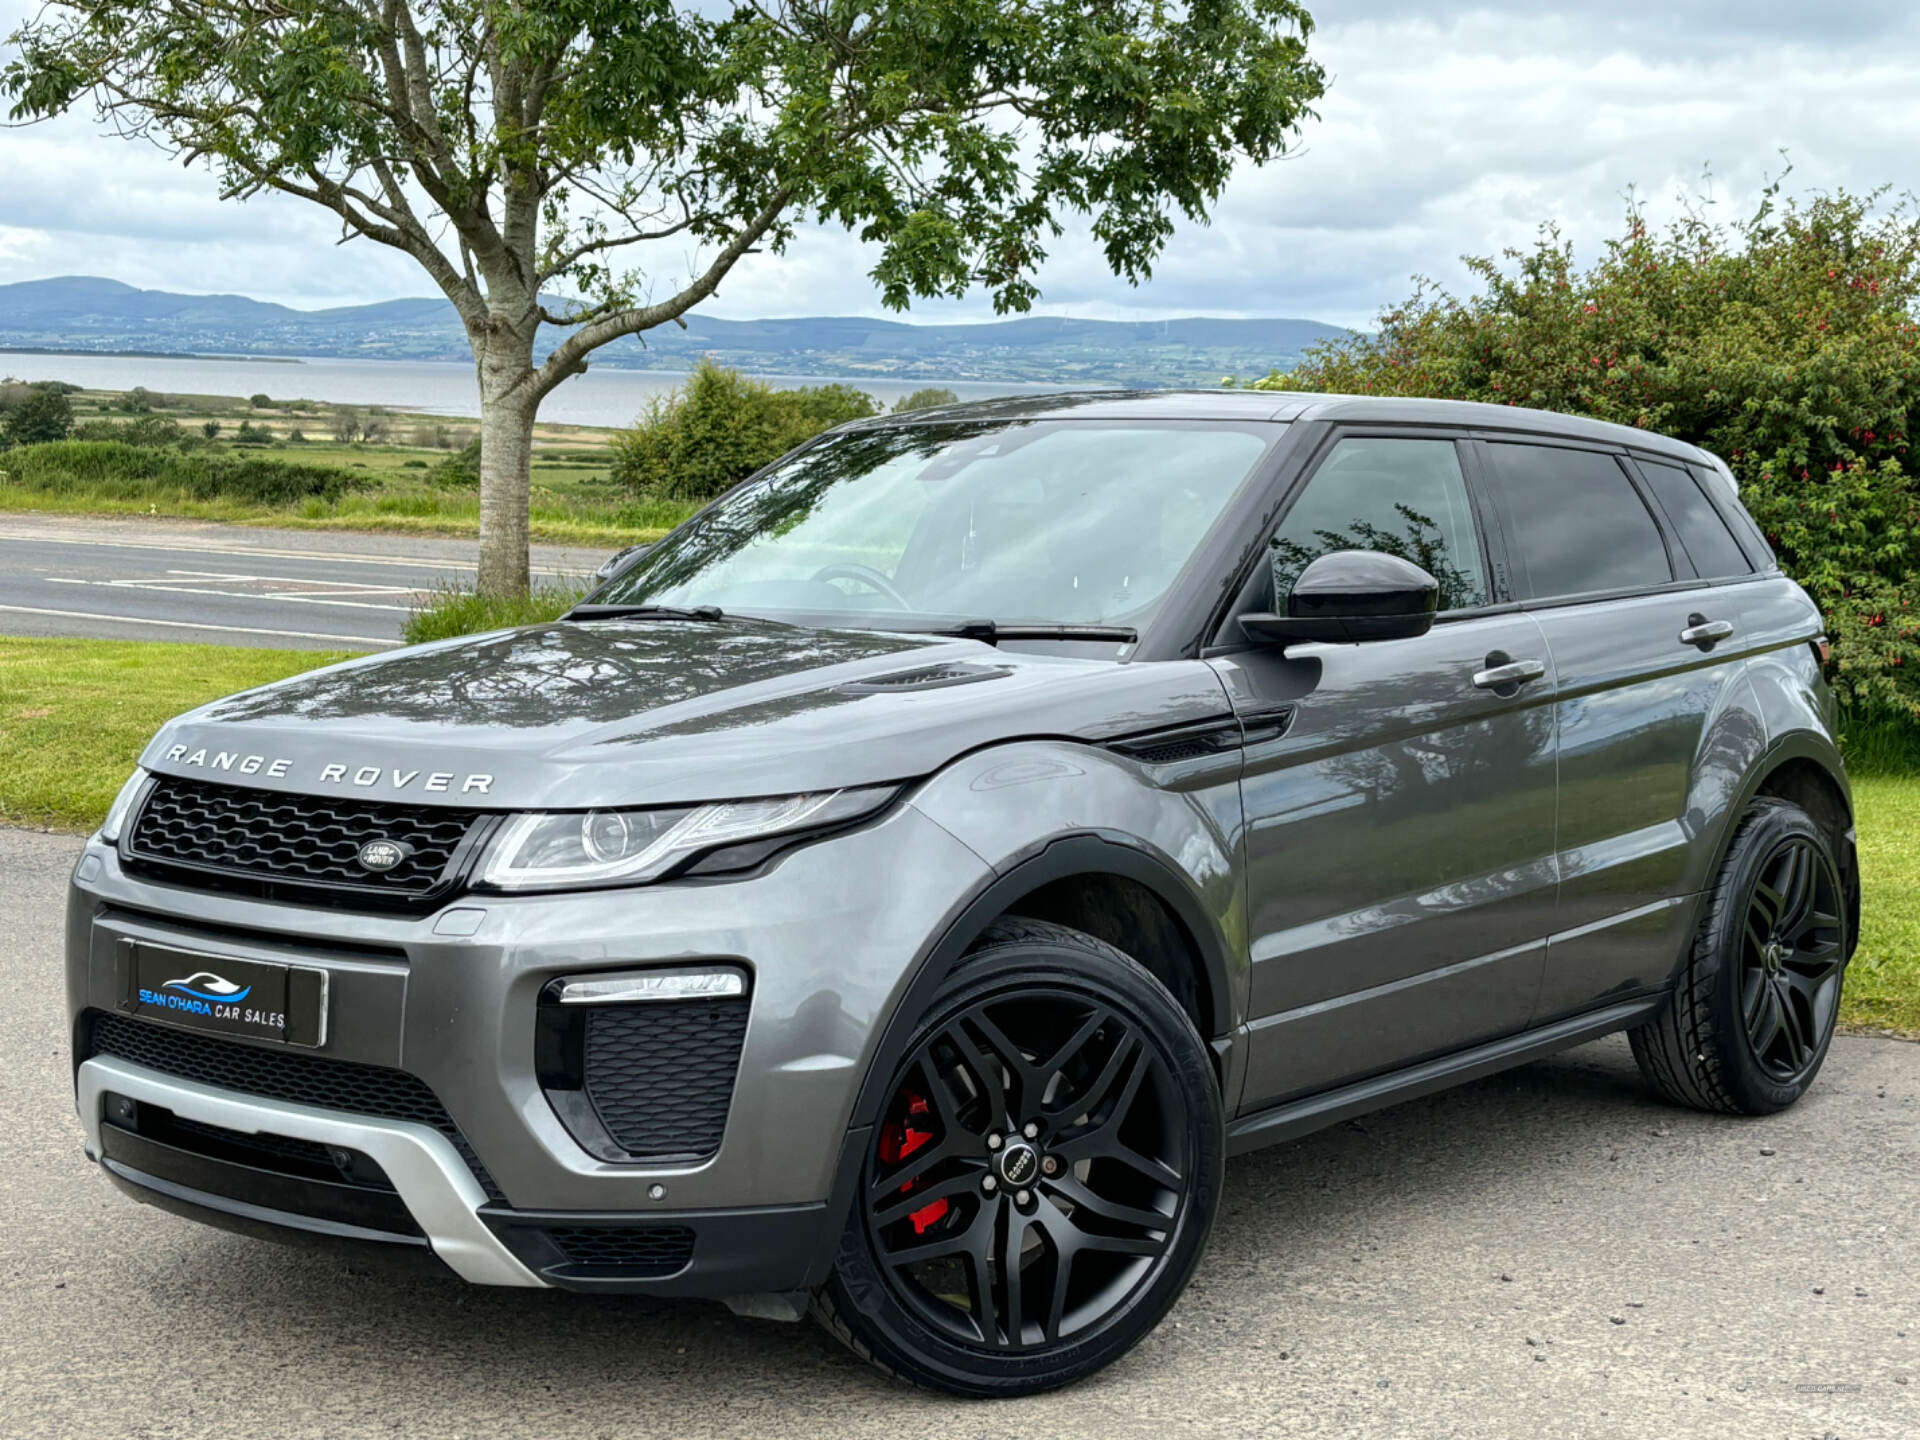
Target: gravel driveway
[(1550, 1252)]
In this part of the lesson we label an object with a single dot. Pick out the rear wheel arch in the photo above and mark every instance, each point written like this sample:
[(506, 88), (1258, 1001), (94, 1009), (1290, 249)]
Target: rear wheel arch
[(1806, 771)]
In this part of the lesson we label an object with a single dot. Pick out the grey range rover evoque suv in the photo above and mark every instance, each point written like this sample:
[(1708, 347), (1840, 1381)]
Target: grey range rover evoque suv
[(897, 892)]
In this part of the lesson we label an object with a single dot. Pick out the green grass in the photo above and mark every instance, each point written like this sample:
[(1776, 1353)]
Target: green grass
[(1883, 983), (75, 714), (574, 501), (462, 612)]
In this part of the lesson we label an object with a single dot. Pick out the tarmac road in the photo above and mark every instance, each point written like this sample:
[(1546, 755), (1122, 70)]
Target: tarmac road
[(133, 579), (1547, 1253)]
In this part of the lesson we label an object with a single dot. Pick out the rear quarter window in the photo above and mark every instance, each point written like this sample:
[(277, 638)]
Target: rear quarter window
[(1708, 541)]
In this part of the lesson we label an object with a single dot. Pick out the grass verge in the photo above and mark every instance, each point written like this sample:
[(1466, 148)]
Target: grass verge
[(462, 612), (75, 714), (1883, 982), (556, 518)]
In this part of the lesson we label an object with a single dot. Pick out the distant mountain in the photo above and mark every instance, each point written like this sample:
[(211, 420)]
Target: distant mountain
[(87, 313)]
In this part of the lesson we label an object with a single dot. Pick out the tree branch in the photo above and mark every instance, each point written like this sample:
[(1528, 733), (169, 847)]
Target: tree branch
[(570, 355)]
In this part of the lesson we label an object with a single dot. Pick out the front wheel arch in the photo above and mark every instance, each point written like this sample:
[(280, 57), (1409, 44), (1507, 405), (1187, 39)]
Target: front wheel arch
[(1085, 856)]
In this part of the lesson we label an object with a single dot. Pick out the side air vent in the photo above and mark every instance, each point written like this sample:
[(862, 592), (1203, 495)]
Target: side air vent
[(927, 677), (1178, 743)]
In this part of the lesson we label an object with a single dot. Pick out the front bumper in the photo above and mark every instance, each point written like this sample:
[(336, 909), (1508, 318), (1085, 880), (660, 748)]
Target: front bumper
[(831, 935)]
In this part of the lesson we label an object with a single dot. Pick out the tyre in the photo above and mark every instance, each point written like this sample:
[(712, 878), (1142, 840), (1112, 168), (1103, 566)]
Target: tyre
[(1043, 1178), (1753, 1013)]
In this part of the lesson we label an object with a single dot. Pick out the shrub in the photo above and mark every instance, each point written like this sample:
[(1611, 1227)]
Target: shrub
[(296, 436), (121, 471), (260, 402), (721, 427), (251, 434), (139, 400), (925, 400), (211, 429), (45, 414), (1786, 344), (460, 470), (449, 612)]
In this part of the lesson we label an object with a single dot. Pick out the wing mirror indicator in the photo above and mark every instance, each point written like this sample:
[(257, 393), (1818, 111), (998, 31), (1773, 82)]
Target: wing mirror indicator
[(1348, 596)]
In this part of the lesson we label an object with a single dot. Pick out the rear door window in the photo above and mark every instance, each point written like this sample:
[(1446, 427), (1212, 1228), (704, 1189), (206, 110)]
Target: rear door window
[(1574, 523), (1716, 555)]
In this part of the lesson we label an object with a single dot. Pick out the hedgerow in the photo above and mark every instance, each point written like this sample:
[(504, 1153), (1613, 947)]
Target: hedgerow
[(1787, 344)]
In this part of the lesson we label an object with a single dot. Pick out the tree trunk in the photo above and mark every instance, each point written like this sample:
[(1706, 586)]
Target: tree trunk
[(507, 409)]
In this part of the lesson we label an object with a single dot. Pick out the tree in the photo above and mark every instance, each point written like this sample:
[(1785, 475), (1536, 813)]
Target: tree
[(211, 429), (1787, 344), (720, 427), (925, 399), (519, 150), (42, 415)]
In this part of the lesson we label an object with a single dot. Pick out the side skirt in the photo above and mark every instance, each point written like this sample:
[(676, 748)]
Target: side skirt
[(1316, 1112)]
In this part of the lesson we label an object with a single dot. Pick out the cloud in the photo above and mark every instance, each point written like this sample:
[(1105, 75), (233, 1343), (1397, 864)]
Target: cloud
[(1449, 129)]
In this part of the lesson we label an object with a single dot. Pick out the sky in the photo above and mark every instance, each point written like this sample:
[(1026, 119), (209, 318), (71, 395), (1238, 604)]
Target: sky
[(1449, 128)]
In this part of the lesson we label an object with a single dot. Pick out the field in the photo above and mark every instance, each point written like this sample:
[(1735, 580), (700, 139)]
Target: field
[(398, 453), (75, 714)]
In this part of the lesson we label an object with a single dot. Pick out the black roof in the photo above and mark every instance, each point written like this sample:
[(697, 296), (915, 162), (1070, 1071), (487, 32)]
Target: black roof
[(1283, 405)]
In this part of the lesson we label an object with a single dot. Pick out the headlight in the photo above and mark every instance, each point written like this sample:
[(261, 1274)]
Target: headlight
[(558, 851), (122, 803)]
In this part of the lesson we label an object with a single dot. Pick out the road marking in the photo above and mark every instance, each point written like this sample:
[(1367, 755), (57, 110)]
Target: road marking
[(125, 585), (191, 625), (207, 547), (331, 587)]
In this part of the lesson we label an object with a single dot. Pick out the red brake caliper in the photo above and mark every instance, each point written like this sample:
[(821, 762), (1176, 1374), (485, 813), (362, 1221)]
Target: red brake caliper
[(899, 1141)]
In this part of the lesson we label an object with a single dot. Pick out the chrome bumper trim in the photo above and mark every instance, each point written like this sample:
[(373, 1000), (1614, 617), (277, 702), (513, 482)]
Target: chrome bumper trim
[(433, 1181)]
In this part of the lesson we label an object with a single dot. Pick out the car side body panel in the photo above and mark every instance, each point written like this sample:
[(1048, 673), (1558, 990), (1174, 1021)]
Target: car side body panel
[(1374, 940)]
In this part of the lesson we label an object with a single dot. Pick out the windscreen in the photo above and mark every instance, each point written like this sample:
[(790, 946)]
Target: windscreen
[(1036, 522)]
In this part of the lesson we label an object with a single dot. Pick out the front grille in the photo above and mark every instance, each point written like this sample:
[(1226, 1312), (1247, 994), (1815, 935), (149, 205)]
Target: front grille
[(263, 841), (317, 1080), (632, 1249), (661, 1074)]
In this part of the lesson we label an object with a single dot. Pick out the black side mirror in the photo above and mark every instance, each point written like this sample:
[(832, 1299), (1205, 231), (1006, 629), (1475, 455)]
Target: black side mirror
[(1351, 595)]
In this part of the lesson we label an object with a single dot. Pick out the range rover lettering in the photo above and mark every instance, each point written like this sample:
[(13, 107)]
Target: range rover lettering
[(895, 895)]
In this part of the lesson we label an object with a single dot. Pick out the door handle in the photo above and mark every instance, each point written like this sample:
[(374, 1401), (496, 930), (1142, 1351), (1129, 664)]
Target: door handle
[(1704, 632), (1510, 675)]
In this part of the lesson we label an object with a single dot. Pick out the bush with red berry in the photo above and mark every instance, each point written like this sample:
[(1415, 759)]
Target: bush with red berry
[(1787, 344)]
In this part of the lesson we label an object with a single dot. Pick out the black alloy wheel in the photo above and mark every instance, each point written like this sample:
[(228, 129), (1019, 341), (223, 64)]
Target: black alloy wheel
[(1791, 959), (1755, 1001), (1042, 1177)]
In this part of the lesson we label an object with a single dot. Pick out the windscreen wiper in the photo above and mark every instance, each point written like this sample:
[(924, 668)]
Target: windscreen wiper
[(646, 612), (994, 631), (709, 614)]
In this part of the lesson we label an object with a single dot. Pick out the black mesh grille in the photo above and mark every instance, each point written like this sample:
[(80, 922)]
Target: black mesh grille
[(634, 1249), (661, 1074), (1174, 751), (264, 838), (316, 1080)]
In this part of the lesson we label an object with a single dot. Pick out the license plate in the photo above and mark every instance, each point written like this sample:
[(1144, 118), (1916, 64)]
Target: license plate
[(250, 998)]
